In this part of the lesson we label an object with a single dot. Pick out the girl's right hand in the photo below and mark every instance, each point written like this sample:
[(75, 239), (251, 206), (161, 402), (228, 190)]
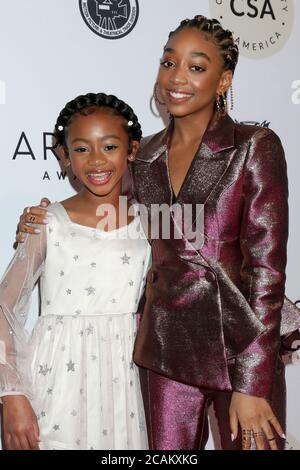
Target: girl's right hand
[(32, 215), (20, 426)]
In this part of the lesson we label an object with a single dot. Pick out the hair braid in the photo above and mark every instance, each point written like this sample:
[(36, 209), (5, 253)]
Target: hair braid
[(83, 105), (223, 38)]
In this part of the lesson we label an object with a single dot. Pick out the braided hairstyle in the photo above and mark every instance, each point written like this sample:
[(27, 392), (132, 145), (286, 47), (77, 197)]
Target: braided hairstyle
[(86, 104), (222, 38)]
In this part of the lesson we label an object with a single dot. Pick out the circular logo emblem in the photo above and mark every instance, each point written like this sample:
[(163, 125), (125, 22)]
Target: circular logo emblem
[(111, 19), (260, 27)]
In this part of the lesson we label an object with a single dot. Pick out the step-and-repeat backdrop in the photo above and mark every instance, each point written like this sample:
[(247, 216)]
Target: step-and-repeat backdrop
[(54, 51)]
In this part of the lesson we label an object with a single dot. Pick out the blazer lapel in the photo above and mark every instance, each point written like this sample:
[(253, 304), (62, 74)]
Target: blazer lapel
[(211, 162)]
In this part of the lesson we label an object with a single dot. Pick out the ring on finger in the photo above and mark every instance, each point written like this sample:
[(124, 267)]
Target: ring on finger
[(31, 218), (246, 436), (258, 433)]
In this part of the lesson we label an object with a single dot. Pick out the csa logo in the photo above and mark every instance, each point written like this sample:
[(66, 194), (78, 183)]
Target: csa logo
[(110, 19), (260, 27)]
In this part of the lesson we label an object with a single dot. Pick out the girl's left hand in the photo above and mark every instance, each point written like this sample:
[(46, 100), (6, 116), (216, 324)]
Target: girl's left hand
[(256, 418)]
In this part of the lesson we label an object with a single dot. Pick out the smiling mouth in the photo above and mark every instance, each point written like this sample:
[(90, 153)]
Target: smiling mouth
[(99, 178), (179, 95)]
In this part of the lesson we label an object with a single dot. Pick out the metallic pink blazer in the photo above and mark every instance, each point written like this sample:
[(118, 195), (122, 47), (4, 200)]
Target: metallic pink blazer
[(221, 304)]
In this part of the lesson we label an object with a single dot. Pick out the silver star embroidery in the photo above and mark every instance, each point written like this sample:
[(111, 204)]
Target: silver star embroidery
[(74, 413), (131, 383), (77, 312), (132, 415), (49, 328), (50, 229), (131, 283), (81, 391), (21, 254), (91, 448), (81, 332), (48, 302), (90, 290), (73, 234), (71, 366), (76, 257), (4, 284), (43, 414), (56, 427), (59, 319), (56, 244), (104, 432), (125, 259), (78, 442), (44, 369), (69, 292), (131, 365), (63, 348), (49, 391), (94, 358), (113, 301), (90, 329), (61, 273), (93, 265), (115, 380), (117, 336)]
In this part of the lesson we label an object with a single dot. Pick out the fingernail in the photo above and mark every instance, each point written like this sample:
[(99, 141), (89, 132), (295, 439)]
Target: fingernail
[(49, 214), (283, 436), (44, 204), (37, 230), (46, 221), (232, 437)]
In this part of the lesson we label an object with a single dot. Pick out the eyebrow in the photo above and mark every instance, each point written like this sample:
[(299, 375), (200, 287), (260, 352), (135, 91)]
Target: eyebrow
[(193, 54), (110, 136)]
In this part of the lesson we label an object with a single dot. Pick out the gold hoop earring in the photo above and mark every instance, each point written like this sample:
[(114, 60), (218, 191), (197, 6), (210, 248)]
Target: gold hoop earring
[(155, 94), (221, 103)]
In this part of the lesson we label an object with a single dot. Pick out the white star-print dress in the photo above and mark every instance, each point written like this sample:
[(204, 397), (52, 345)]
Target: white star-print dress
[(76, 367)]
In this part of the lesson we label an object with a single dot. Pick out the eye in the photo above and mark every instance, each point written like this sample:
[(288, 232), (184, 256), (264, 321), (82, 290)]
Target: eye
[(166, 63), (80, 149), (110, 147), (197, 68)]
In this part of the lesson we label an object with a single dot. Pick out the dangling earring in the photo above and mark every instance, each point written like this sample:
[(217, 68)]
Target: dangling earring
[(221, 103), (131, 158), (155, 94), (231, 98)]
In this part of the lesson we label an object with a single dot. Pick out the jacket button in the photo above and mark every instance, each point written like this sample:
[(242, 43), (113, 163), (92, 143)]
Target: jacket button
[(210, 276)]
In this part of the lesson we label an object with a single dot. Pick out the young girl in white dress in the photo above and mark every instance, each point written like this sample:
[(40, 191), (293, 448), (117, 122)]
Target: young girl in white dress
[(72, 384)]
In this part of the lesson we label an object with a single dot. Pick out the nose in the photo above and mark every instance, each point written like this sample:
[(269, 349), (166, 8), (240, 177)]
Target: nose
[(97, 158), (178, 76)]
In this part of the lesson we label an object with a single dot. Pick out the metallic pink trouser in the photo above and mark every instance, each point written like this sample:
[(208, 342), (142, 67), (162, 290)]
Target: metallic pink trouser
[(177, 413)]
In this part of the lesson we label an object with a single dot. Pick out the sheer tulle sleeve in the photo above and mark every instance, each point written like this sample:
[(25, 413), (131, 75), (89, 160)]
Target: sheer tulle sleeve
[(15, 294)]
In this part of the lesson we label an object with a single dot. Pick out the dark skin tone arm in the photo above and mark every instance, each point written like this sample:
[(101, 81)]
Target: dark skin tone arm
[(20, 426)]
